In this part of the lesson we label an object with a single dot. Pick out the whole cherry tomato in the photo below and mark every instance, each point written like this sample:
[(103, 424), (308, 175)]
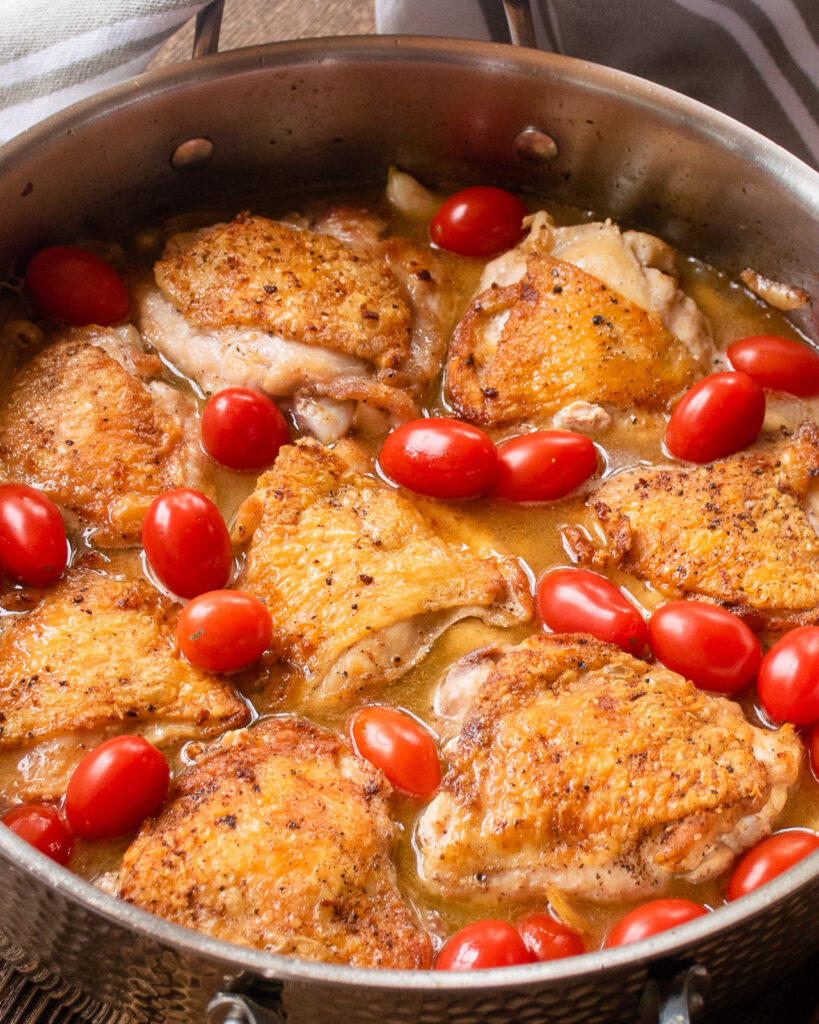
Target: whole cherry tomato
[(706, 644), (720, 415), (812, 743), (115, 787), (224, 630), (777, 363), (441, 457), (548, 939), (769, 859), (788, 678), (42, 826), (579, 601), (479, 221), (33, 546), (398, 745), (77, 286), (187, 543), (544, 465), (487, 943), (243, 429), (651, 918)]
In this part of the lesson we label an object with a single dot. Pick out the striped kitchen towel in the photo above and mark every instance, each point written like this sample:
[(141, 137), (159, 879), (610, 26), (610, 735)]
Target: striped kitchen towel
[(56, 52)]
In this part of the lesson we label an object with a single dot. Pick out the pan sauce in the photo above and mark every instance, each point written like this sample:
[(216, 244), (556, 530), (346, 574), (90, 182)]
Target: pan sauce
[(532, 533)]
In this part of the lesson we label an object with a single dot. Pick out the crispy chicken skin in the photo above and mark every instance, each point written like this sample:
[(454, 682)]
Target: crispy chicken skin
[(83, 427), (738, 534), (574, 315), (358, 577), (94, 657), (324, 315), (298, 284), (279, 838), (579, 767)]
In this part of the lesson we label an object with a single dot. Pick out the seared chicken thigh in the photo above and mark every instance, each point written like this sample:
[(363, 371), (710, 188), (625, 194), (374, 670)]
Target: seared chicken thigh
[(738, 535), (578, 767), (346, 328), (279, 838), (97, 656), (84, 424), (359, 578), (572, 323)]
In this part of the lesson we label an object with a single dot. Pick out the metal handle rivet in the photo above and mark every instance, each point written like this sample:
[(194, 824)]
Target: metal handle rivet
[(192, 155), (535, 146)]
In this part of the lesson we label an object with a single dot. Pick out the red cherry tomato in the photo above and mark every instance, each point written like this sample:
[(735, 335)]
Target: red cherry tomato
[(33, 546), (243, 429), (548, 939), (77, 286), (398, 745), (651, 918), (812, 743), (777, 363), (224, 630), (544, 465), (479, 221), (720, 415), (187, 543), (769, 859), (441, 457), (42, 826), (482, 944), (706, 644), (788, 678), (115, 787), (579, 601)]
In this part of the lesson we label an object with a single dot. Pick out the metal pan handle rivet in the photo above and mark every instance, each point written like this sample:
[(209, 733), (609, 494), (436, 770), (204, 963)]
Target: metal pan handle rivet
[(192, 155), (535, 146)]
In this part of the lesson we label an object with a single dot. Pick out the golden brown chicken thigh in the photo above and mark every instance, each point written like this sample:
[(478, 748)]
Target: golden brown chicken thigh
[(573, 322), (735, 532), (82, 425), (96, 656), (359, 578), (340, 325), (280, 839), (578, 767)]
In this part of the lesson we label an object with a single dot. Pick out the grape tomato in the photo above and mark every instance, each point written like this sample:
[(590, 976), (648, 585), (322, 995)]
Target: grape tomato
[(548, 939), (243, 429), (42, 826), (769, 859), (75, 285), (33, 544), (706, 644), (544, 465), (487, 943), (777, 363), (580, 601), (115, 787), (479, 221), (718, 416), (187, 543), (441, 458), (400, 746), (651, 918), (224, 630), (788, 678)]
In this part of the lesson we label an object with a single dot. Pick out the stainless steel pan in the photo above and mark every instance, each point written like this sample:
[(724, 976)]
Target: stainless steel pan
[(305, 113)]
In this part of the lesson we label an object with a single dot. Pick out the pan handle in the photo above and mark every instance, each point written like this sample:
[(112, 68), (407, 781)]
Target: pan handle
[(233, 1008), (209, 24), (675, 995)]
